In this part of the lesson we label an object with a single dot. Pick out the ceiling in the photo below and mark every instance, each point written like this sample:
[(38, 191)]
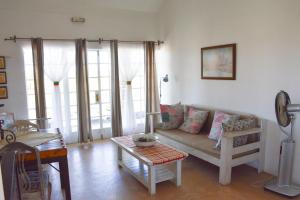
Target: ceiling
[(133, 5)]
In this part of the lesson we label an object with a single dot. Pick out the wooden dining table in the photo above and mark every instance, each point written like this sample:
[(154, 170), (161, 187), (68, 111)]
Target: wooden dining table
[(56, 151)]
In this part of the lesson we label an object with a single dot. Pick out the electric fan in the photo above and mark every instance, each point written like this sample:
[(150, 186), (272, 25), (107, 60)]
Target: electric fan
[(285, 113)]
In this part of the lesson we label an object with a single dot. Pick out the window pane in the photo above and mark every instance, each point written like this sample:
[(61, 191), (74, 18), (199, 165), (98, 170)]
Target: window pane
[(31, 102), (49, 112), (73, 99), (137, 106), (136, 94), (72, 84), (27, 53), (29, 71), (105, 83), (96, 123), (93, 70), (93, 84), (105, 96), (49, 100), (104, 69), (106, 120), (106, 109), (93, 97), (48, 86), (73, 110), (74, 125), (95, 111), (105, 56), (72, 72), (92, 56), (31, 113), (30, 87)]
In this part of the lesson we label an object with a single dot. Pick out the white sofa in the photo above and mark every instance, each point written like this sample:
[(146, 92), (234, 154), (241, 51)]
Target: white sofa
[(202, 147)]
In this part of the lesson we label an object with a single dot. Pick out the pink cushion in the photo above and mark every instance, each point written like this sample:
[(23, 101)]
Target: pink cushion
[(172, 116), (194, 121), (216, 128)]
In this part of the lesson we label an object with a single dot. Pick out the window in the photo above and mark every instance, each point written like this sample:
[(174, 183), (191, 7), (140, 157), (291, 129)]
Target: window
[(99, 77), (29, 81), (67, 90), (138, 93), (132, 84), (99, 67)]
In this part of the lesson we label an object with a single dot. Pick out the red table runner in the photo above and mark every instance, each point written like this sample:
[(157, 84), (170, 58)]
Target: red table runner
[(157, 154)]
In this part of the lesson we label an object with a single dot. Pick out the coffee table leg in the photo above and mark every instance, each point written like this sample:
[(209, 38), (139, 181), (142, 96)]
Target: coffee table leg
[(151, 180), (178, 173)]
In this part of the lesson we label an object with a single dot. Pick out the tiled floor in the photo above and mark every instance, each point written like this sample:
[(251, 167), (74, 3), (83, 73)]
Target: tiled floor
[(95, 175)]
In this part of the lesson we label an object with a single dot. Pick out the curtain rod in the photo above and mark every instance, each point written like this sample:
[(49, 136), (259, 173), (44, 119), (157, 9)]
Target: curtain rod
[(100, 40)]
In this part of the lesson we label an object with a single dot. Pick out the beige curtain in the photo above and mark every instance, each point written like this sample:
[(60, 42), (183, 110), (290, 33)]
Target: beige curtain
[(84, 120), (116, 117), (38, 68), (152, 99)]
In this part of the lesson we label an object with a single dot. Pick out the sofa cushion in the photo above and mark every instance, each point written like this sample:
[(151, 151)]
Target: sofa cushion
[(219, 118), (172, 116), (194, 121), (197, 141), (237, 125)]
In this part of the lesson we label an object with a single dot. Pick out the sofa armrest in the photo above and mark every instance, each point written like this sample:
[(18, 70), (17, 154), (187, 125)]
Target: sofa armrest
[(232, 134)]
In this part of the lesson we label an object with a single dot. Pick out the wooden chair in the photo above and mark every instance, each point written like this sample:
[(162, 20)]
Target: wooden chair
[(32, 181)]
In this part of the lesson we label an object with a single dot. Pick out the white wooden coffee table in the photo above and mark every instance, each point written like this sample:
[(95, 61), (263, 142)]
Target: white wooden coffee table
[(154, 163)]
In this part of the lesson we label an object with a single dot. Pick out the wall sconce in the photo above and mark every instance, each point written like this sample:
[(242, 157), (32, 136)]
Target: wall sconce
[(164, 79)]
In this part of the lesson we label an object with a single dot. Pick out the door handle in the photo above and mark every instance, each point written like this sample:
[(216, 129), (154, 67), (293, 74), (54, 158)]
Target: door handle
[(97, 97)]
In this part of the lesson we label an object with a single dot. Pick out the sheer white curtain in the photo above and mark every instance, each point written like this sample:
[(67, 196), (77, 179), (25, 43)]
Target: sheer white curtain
[(58, 58), (130, 64)]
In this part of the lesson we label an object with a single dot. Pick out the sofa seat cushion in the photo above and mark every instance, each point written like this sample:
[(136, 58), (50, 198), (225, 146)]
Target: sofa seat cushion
[(197, 141), (200, 142)]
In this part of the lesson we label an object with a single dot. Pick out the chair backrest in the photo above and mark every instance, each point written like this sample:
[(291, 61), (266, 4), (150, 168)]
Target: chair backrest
[(23, 126), (27, 159)]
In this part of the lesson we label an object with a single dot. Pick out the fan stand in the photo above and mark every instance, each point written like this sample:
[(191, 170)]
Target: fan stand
[(282, 184)]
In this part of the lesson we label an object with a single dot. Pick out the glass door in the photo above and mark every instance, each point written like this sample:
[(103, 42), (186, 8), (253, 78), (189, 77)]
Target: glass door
[(99, 67)]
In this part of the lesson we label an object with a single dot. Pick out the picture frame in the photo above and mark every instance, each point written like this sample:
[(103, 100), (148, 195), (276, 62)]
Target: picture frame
[(3, 78), (8, 119), (3, 92), (218, 62), (2, 62)]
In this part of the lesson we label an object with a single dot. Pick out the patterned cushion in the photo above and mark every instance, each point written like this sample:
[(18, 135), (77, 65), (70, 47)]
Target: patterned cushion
[(194, 121), (219, 118), (238, 125), (172, 116), (186, 109)]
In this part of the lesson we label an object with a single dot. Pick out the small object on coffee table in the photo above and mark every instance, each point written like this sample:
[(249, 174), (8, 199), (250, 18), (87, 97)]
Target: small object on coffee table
[(144, 140)]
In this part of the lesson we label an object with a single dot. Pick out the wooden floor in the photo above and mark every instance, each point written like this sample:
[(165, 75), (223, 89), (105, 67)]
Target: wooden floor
[(94, 174)]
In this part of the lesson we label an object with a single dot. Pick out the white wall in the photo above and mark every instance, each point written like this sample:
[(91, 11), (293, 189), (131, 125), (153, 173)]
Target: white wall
[(267, 33), (50, 20)]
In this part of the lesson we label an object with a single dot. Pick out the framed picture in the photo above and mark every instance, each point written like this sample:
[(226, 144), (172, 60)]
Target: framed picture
[(8, 119), (3, 92), (3, 79), (219, 62), (2, 62)]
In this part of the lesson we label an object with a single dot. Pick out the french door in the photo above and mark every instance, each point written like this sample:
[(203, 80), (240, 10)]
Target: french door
[(99, 72)]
